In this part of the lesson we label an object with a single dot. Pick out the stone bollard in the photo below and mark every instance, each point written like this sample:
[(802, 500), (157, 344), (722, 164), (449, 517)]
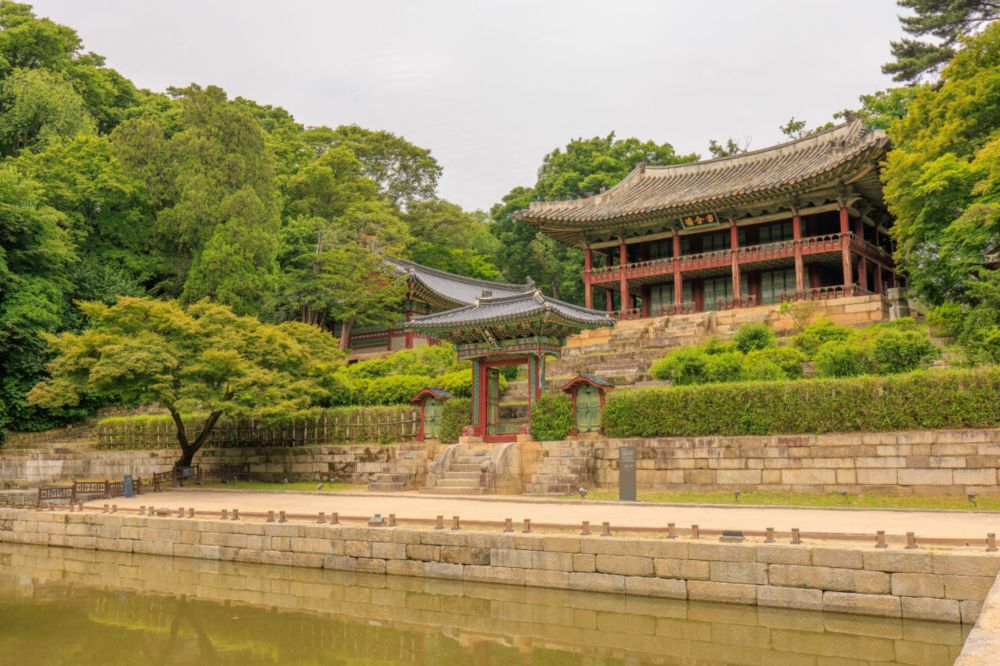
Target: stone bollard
[(142, 509), (880, 539), (321, 518), (508, 524), (439, 523), (190, 512), (105, 509), (114, 508), (605, 528), (991, 542), (270, 516), (225, 514), (695, 533), (334, 518), (180, 512), (796, 537), (911, 540), (392, 520), (769, 535), (671, 531), (281, 517), (527, 526), (585, 528), (455, 523), (236, 514)]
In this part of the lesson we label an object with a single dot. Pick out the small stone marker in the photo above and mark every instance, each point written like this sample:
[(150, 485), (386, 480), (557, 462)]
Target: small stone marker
[(527, 525), (605, 529), (585, 528), (769, 535), (392, 520), (439, 523), (508, 524), (455, 523), (880, 539), (321, 518), (911, 540), (236, 514), (270, 516), (671, 531), (695, 533), (796, 538), (991, 542), (281, 517)]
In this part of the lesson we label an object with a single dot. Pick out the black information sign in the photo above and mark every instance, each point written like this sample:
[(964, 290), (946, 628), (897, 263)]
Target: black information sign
[(128, 485), (626, 473)]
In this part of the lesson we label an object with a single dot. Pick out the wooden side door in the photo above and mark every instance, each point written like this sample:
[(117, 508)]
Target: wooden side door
[(588, 409), (432, 418)]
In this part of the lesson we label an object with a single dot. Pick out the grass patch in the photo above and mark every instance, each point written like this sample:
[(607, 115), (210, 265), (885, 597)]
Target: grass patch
[(302, 486), (807, 499)]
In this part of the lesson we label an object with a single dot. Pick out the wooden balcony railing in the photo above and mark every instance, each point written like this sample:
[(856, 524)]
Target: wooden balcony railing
[(747, 254)]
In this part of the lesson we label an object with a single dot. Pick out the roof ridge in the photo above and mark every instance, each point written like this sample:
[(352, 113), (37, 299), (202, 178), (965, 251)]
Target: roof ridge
[(464, 278)]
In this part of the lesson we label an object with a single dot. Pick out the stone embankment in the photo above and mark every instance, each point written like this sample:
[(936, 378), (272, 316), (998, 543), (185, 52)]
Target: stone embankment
[(940, 585), (931, 462)]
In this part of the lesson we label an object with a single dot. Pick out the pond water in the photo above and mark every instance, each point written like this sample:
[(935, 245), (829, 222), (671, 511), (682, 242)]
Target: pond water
[(85, 607)]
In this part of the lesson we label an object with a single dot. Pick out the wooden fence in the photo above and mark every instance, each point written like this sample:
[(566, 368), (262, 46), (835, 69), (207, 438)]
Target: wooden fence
[(335, 428)]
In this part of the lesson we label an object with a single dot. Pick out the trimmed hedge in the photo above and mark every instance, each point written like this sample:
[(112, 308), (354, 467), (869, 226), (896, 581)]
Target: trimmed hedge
[(917, 401), (455, 415), (552, 417)]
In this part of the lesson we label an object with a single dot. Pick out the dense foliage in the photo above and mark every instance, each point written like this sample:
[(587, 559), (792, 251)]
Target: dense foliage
[(455, 415), (915, 401), (552, 417)]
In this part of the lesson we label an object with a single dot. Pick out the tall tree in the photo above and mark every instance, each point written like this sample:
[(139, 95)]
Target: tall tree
[(945, 22), (200, 359), (445, 237)]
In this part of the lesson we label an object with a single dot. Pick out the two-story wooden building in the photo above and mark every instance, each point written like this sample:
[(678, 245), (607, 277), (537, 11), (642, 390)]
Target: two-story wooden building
[(800, 220)]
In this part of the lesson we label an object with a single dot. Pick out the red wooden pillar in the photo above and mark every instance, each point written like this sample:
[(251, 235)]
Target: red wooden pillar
[(734, 243), (588, 289), (609, 301), (623, 282), (878, 278), (678, 286), (845, 244), (645, 302), (800, 277), (859, 231)]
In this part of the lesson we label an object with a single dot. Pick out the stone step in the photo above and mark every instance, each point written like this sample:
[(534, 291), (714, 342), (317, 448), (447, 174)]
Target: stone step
[(451, 474), (457, 483), (453, 491), (386, 487), (571, 479), (465, 467)]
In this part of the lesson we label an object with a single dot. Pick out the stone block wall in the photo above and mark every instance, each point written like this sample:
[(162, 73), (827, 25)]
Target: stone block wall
[(935, 462), (940, 585)]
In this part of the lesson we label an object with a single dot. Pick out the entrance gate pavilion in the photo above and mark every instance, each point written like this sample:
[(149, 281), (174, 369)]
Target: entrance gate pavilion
[(497, 331)]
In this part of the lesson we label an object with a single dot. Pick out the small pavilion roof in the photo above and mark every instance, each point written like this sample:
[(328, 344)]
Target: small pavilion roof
[(825, 159), (431, 392), (450, 290), (528, 306), (585, 378)]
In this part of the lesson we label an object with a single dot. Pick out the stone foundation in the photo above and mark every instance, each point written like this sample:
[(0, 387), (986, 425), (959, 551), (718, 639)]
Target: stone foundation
[(940, 585), (934, 462)]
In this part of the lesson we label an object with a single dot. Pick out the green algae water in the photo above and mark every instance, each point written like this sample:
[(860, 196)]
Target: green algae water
[(66, 606)]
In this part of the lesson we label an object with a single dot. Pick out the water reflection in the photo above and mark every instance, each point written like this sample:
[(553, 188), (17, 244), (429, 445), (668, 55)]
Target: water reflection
[(85, 607)]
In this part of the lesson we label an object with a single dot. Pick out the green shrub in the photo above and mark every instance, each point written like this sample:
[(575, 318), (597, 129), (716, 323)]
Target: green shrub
[(686, 365), (841, 358), (754, 336), (370, 369), (552, 417), (458, 383), (946, 320), (395, 389), (895, 351), (920, 400), (455, 415), (991, 344), (788, 359), (725, 367), (430, 360), (762, 369), (716, 346), (816, 334)]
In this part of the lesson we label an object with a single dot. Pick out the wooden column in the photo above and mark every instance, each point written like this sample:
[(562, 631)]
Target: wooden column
[(734, 243), (845, 244), (623, 282), (588, 289), (878, 278), (800, 277), (646, 309), (678, 286), (859, 231), (609, 301)]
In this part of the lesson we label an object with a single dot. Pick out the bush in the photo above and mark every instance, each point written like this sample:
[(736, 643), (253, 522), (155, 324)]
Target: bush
[(902, 351), (750, 337), (788, 359), (725, 367), (921, 400), (458, 383), (841, 359), (395, 389), (818, 333), (455, 415), (370, 369), (761, 369), (552, 417), (686, 365), (991, 344)]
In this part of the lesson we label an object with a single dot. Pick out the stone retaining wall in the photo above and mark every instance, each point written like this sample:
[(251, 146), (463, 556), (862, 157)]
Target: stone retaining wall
[(945, 586), (349, 464), (983, 645), (933, 462)]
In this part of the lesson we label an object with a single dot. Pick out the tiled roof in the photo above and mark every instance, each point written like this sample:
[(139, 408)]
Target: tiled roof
[(512, 308), (785, 169), (456, 289)]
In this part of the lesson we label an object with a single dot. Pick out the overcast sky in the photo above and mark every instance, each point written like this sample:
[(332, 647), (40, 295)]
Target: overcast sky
[(491, 86)]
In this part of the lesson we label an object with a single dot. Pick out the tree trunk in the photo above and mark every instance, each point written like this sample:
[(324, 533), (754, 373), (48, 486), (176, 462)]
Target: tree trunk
[(345, 333), (555, 287), (188, 448)]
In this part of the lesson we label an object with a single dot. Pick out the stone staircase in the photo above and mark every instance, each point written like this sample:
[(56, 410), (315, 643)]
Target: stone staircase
[(458, 471), (405, 472), (563, 469)]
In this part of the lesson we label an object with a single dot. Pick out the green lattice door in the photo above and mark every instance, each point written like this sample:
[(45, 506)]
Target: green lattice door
[(588, 409), (432, 418), (493, 400)]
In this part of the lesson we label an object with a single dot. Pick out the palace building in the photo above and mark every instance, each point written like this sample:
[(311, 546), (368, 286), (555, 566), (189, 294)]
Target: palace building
[(804, 219)]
